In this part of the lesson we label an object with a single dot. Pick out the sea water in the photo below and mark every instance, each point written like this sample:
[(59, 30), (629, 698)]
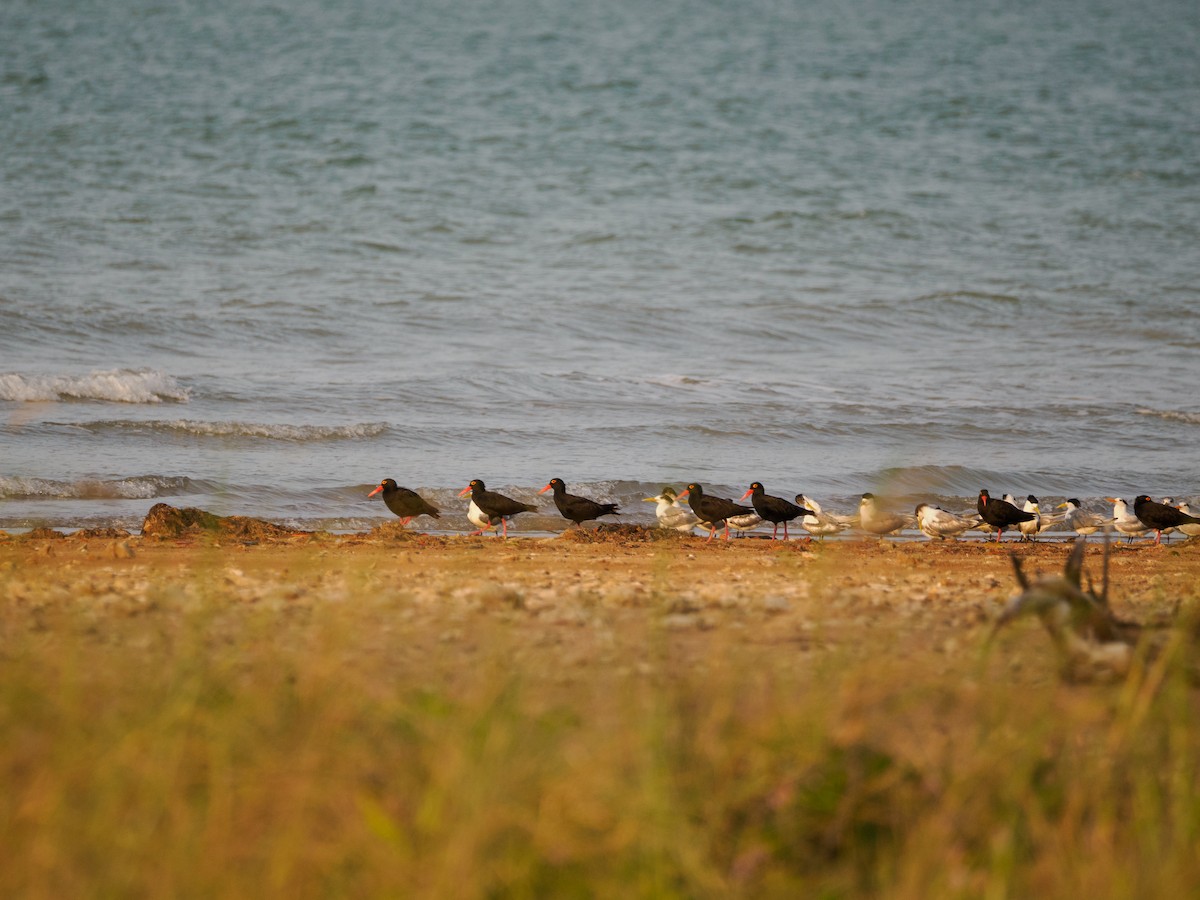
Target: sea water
[(256, 257)]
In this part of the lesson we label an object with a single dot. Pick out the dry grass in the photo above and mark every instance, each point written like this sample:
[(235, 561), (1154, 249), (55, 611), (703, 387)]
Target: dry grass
[(457, 718)]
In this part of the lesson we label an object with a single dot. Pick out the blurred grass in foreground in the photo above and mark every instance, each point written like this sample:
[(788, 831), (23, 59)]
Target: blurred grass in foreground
[(186, 744)]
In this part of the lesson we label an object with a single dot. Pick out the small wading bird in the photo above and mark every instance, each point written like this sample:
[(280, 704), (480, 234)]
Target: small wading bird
[(577, 509), (942, 525), (670, 513), (775, 510), (1091, 643), (1042, 521), (403, 502), (1189, 530), (1000, 514), (494, 509), (1160, 516), (1125, 521), (876, 521), (1082, 521), (819, 523), (713, 512)]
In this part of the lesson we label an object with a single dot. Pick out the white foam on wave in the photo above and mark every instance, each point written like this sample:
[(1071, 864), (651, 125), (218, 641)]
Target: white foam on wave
[(298, 433), (115, 386), (136, 488), (1172, 415)]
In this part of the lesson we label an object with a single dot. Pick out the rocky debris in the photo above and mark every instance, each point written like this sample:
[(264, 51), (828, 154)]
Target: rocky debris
[(165, 521), (37, 534), (109, 533)]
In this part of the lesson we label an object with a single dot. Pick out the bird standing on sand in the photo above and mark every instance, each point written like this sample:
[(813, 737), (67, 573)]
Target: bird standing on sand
[(1160, 516), (712, 511), (1189, 530), (1000, 514), (670, 513), (495, 509), (819, 523), (1125, 521), (577, 509), (1031, 530), (403, 502), (940, 524), (1083, 521), (876, 521), (775, 510)]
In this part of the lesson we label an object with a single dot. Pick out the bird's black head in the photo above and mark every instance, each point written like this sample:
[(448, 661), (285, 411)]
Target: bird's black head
[(756, 486), (984, 495), (868, 496), (668, 492), (1074, 500), (387, 483), (1142, 498), (1032, 499)]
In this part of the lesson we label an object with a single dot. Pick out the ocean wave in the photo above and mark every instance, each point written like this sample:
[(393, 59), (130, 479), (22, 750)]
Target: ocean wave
[(115, 386), (142, 487), (274, 432), (1172, 415)]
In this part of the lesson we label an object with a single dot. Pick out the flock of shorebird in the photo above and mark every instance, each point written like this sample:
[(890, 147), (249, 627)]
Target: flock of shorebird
[(489, 510)]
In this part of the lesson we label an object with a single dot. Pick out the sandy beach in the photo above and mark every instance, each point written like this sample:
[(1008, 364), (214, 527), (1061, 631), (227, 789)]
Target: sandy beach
[(400, 713)]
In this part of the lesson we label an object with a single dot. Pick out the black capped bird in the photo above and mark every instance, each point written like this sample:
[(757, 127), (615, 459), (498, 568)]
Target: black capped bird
[(495, 509), (577, 509), (1041, 521), (775, 510), (713, 511), (1001, 514), (1083, 521), (403, 502), (1160, 516)]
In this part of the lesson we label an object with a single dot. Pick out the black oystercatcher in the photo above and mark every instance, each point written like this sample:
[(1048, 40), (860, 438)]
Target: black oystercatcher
[(1160, 516), (775, 510), (712, 511), (1001, 514), (497, 508), (403, 502), (577, 509)]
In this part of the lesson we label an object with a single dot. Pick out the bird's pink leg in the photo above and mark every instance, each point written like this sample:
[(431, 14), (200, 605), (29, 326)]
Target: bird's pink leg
[(785, 535)]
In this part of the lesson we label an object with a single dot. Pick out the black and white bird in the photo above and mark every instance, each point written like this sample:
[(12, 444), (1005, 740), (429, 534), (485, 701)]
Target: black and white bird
[(1160, 516), (1000, 514), (1083, 521), (493, 508), (775, 510)]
